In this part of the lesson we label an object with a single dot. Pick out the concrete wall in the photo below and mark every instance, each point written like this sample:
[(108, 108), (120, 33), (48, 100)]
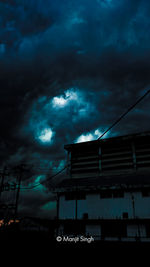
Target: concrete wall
[(102, 208)]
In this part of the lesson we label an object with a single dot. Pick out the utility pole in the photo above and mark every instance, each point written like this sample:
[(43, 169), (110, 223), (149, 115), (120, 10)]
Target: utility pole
[(3, 174), (2, 181), (21, 170)]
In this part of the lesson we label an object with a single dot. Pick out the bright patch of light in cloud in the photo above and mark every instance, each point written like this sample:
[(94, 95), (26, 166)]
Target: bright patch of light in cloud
[(89, 136), (97, 133), (46, 135), (59, 101), (62, 101), (72, 105), (85, 138)]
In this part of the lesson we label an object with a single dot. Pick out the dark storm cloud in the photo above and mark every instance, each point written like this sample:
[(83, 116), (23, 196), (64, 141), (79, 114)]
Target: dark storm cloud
[(25, 18), (98, 51)]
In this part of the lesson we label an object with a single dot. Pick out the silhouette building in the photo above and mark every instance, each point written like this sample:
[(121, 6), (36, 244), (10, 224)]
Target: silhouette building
[(106, 193)]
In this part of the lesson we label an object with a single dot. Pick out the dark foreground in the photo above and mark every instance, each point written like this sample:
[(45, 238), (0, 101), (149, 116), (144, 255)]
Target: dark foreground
[(44, 241)]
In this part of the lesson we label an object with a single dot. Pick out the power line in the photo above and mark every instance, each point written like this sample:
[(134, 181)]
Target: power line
[(61, 170), (21, 170), (124, 114), (41, 183)]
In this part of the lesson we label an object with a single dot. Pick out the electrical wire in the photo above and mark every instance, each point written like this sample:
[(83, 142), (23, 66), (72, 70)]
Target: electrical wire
[(41, 183), (124, 114), (38, 184)]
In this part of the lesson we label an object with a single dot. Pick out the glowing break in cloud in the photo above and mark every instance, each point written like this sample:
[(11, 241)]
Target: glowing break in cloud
[(90, 136), (46, 135), (61, 101)]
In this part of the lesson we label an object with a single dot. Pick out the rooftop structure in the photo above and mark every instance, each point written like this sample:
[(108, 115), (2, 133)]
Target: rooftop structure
[(111, 156), (107, 191)]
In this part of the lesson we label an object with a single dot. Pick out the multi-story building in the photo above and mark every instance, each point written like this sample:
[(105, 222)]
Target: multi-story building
[(107, 192)]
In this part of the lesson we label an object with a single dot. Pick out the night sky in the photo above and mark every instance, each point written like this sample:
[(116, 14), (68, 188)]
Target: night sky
[(68, 70)]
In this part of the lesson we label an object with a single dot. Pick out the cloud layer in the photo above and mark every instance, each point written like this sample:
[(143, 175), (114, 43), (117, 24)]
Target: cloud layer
[(69, 69)]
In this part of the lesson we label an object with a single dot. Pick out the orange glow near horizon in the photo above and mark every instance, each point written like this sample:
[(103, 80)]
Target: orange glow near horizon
[(2, 222)]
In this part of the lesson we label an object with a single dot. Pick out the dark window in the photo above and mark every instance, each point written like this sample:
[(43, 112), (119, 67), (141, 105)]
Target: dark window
[(106, 194), (75, 195), (125, 215), (118, 194)]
